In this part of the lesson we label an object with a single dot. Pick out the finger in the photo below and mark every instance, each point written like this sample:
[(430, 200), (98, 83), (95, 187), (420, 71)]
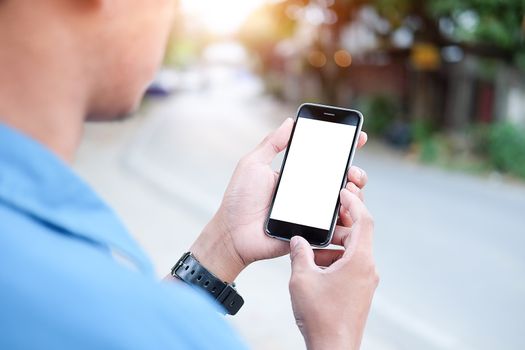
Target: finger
[(276, 175), (362, 222), (301, 254), (350, 186), (341, 234), (363, 138), (326, 257), (358, 176), (273, 144), (352, 206), (276, 246), (344, 219)]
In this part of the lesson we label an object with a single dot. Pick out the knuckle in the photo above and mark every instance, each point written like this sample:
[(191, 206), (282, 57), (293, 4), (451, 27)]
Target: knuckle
[(267, 141), (364, 177), (268, 137), (296, 281), (371, 274), (350, 186), (368, 220), (376, 278), (358, 176)]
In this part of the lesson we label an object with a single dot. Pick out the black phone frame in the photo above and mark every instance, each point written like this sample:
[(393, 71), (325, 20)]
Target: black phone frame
[(315, 236)]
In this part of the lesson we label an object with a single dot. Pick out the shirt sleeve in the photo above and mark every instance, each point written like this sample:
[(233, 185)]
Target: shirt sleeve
[(199, 319), (58, 292)]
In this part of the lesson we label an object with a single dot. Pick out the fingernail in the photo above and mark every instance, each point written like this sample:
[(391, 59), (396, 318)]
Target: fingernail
[(361, 174), (345, 197), (294, 242), (356, 173)]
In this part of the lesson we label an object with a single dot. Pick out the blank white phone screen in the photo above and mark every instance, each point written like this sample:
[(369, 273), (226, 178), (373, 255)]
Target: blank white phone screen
[(312, 176)]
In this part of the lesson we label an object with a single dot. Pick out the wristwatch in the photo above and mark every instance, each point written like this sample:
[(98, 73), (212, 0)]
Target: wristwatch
[(190, 270)]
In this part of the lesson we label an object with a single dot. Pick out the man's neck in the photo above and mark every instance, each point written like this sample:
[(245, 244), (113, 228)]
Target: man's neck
[(41, 90)]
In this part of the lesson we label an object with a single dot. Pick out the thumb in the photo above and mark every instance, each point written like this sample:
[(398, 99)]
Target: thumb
[(274, 143), (301, 254)]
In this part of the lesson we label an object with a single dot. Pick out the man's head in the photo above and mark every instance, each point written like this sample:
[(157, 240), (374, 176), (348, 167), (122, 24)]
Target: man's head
[(109, 48)]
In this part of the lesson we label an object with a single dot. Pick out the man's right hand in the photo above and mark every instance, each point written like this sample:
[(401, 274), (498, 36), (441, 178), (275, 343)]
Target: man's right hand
[(332, 290)]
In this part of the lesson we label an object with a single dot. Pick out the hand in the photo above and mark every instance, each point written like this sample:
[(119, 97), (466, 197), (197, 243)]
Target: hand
[(235, 236), (331, 304)]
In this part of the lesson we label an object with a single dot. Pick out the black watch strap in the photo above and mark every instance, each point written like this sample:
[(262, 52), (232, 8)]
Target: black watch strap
[(190, 270)]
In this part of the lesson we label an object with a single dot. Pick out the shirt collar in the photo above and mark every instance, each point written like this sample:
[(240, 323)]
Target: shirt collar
[(36, 182)]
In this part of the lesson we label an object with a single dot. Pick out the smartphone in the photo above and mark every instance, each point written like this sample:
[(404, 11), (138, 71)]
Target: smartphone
[(314, 170)]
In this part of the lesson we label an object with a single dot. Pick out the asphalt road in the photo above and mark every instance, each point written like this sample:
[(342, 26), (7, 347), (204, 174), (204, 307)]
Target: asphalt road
[(450, 247)]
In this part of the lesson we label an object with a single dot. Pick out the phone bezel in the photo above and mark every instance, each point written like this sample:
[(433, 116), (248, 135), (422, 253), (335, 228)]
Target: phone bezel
[(315, 236)]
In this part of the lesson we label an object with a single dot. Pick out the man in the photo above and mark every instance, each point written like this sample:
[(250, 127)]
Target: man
[(71, 277)]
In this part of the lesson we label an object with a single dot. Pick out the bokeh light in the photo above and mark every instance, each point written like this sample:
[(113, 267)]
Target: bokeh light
[(317, 58), (343, 58)]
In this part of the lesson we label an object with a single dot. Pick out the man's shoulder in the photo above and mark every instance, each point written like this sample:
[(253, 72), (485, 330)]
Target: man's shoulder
[(68, 293)]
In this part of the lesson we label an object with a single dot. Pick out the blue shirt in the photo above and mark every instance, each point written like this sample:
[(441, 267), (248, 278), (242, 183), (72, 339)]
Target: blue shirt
[(61, 285)]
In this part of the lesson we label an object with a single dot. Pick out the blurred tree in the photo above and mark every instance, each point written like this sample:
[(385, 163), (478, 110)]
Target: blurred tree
[(487, 27), (484, 22), (493, 29), (490, 27), (265, 28)]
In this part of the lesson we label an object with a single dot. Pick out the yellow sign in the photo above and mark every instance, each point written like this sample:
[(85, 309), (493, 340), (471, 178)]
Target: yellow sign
[(425, 56)]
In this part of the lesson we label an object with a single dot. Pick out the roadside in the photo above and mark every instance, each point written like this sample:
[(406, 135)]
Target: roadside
[(448, 245)]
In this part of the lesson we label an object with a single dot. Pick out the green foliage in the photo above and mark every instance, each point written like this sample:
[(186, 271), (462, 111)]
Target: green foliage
[(380, 111), (519, 60), (496, 23), (421, 130), (181, 52), (430, 151), (479, 139), (394, 10), (429, 143), (506, 148), (499, 146), (489, 23)]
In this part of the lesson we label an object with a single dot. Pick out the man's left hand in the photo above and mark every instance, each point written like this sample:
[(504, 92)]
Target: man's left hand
[(235, 236)]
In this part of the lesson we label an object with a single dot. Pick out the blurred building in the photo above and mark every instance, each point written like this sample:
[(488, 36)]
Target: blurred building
[(342, 52)]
